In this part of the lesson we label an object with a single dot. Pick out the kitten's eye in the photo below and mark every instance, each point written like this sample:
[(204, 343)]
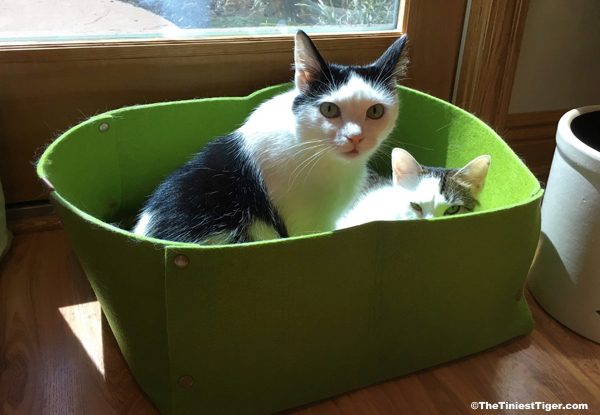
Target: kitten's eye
[(452, 210), (416, 207), (375, 112), (329, 110)]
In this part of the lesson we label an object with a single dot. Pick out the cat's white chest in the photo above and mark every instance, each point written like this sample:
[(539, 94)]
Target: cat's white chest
[(314, 203)]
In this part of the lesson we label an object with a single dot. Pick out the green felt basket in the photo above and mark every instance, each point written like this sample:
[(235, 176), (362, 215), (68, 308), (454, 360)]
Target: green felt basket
[(257, 328)]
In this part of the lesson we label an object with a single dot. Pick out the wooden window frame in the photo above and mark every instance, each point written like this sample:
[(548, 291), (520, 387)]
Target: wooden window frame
[(490, 55)]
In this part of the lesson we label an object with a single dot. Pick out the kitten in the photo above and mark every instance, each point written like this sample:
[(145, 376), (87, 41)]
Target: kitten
[(296, 163), (417, 192)]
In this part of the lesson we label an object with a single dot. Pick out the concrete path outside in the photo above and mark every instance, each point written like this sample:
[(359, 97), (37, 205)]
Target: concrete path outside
[(52, 18)]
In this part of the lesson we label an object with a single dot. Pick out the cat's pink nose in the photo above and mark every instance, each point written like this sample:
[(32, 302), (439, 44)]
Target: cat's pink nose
[(355, 138)]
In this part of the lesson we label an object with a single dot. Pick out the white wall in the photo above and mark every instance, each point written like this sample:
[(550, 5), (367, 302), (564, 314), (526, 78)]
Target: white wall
[(559, 62)]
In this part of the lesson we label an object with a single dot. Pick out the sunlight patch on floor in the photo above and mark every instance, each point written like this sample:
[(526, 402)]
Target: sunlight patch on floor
[(85, 321)]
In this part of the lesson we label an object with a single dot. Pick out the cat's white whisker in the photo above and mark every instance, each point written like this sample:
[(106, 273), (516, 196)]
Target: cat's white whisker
[(389, 146), (321, 155), (296, 172)]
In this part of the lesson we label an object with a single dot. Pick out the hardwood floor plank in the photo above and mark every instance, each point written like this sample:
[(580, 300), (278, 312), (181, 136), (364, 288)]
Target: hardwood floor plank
[(58, 356)]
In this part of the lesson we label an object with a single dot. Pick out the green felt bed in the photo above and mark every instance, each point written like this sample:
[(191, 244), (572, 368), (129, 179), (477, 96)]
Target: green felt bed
[(257, 328)]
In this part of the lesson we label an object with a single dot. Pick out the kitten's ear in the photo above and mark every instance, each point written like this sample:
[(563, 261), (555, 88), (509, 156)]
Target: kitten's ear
[(405, 169), (308, 63), (394, 61), (474, 173)]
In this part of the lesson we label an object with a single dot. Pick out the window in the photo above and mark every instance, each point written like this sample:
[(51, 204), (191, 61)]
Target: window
[(64, 20)]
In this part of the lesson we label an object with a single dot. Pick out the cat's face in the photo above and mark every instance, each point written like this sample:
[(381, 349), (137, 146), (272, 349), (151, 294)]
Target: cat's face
[(349, 110), (435, 191)]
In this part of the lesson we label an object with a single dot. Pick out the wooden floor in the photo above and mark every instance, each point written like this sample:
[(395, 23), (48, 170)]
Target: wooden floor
[(57, 355)]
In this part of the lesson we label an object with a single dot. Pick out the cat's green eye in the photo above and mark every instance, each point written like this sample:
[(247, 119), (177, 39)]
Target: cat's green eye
[(375, 112), (416, 207), (329, 110), (452, 210)]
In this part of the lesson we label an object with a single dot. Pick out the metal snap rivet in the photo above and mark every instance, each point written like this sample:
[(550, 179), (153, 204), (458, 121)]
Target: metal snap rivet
[(103, 127), (181, 261), (186, 381)]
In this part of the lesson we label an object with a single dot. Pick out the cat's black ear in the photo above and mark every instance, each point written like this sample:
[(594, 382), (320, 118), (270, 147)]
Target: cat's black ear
[(308, 63), (394, 61)]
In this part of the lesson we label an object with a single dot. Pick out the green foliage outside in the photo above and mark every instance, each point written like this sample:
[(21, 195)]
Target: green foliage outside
[(244, 13)]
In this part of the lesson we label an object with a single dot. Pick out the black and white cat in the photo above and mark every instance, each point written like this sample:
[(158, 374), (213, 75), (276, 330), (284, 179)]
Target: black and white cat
[(293, 167), (419, 192)]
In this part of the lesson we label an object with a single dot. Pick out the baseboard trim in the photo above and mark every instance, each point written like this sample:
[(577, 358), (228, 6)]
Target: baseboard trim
[(533, 119), (30, 217), (532, 136)]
